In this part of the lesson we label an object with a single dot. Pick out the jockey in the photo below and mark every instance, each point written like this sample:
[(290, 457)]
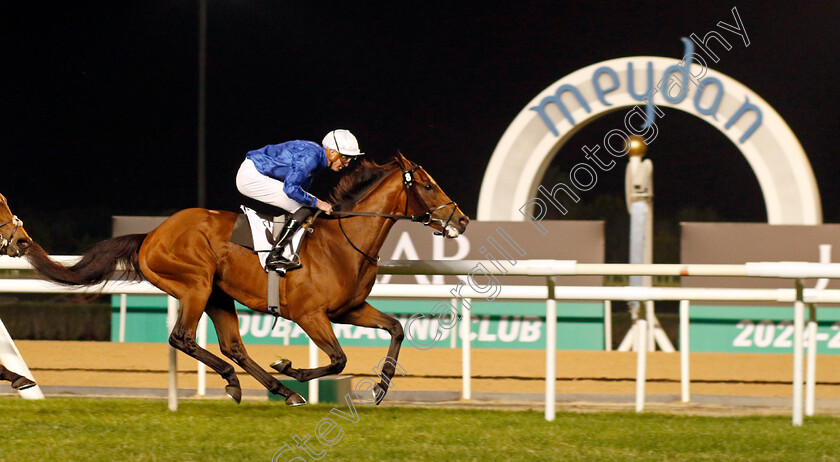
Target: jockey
[(280, 175)]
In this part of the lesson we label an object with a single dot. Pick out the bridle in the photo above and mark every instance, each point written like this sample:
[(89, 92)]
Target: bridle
[(408, 186), (427, 219), (5, 241)]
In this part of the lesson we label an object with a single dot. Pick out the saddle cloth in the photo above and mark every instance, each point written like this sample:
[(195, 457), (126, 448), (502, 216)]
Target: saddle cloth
[(255, 231)]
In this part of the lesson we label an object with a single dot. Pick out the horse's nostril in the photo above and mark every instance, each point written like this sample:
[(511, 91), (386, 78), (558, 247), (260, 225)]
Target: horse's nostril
[(23, 243), (464, 220)]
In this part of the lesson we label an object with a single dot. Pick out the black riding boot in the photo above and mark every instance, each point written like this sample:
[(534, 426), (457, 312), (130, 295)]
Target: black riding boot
[(275, 259)]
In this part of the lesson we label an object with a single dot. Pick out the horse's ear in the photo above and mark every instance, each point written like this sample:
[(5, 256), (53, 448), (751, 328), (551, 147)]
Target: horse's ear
[(404, 163)]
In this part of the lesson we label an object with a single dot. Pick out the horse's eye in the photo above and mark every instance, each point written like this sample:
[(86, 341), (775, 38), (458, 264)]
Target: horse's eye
[(428, 186)]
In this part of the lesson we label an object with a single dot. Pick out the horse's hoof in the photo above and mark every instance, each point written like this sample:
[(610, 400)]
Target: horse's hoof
[(22, 383), (281, 365), (379, 393), (295, 400), (373, 395), (234, 392)]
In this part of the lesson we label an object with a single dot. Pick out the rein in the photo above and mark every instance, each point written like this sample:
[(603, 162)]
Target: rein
[(4, 241), (348, 214), (391, 216), (373, 260)]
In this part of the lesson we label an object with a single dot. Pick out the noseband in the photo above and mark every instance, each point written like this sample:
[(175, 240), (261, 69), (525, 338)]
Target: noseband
[(5, 241)]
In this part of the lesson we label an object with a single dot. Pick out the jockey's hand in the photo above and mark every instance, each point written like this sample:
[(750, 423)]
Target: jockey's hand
[(324, 206)]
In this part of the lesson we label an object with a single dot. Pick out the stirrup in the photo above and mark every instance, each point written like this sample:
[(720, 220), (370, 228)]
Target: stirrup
[(282, 263), (295, 263), (282, 266)]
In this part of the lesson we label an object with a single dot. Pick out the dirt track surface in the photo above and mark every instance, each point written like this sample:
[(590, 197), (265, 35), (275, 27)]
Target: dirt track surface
[(144, 365)]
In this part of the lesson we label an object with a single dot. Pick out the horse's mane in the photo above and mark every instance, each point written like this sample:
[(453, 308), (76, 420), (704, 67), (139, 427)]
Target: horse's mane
[(353, 186)]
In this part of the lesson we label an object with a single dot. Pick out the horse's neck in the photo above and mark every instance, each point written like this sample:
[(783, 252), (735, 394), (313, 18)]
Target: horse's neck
[(368, 234)]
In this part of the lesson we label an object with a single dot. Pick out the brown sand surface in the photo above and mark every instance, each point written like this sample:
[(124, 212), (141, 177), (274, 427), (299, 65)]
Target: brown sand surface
[(145, 365)]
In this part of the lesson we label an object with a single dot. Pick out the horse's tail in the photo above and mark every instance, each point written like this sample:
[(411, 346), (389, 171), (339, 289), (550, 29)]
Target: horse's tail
[(97, 264)]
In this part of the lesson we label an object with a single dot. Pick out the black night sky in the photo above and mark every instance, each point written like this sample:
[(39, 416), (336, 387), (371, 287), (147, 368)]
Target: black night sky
[(99, 99)]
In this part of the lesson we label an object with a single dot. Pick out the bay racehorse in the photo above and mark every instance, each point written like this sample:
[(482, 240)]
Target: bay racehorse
[(189, 256), (14, 242)]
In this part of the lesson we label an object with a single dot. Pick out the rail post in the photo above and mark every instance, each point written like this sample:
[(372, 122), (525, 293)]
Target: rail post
[(201, 371), (123, 312), (684, 349), (607, 325), (466, 353), (798, 334), (811, 366), (550, 351), (313, 363), (641, 363), (171, 317)]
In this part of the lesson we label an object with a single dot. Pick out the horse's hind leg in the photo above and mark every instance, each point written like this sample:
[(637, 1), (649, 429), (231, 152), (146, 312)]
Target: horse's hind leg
[(221, 310), (368, 316), (183, 338), (182, 263)]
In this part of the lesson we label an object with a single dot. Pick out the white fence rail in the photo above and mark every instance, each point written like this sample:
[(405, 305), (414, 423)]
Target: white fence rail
[(551, 294)]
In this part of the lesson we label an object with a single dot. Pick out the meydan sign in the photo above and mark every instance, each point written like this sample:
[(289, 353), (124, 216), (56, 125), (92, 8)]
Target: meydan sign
[(511, 187)]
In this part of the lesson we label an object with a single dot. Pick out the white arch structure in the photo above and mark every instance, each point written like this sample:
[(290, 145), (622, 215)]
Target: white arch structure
[(511, 181)]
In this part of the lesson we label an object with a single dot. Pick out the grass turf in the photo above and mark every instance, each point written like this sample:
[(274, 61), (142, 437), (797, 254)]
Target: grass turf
[(82, 429)]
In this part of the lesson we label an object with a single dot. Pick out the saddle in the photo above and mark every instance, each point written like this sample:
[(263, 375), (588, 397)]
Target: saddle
[(255, 231), (255, 239)]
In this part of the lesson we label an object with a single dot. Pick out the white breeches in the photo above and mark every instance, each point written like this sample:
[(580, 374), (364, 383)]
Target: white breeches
[(255, 185)]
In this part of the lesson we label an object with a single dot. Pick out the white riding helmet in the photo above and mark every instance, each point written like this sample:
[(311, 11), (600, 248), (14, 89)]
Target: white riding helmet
[(343, 142)]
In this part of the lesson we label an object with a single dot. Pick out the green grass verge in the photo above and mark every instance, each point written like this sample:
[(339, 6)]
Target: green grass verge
[(80, 429)]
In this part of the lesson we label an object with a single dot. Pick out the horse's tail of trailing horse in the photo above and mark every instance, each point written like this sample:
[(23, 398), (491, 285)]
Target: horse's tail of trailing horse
[(98, 264)]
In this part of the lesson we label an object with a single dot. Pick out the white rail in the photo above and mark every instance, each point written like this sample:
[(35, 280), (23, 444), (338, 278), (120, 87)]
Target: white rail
[(790, 270), (547, 269)]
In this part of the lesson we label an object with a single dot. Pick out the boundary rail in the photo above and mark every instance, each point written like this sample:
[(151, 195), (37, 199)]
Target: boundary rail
[(547, 269)]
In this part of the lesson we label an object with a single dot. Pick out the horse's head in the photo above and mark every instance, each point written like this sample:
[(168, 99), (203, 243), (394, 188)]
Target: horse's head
[(14, 241), (426, 200)]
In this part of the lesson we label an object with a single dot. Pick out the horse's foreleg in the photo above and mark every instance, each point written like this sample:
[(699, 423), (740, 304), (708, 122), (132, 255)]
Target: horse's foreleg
[(230, 342), (317, 326), (5, 374), (368, 316), (18, 381)]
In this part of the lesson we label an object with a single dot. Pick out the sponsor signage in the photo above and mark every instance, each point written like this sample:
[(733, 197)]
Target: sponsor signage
[(740, 329), (755, 327), (501, 244), (739, 243), (518, 325)]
